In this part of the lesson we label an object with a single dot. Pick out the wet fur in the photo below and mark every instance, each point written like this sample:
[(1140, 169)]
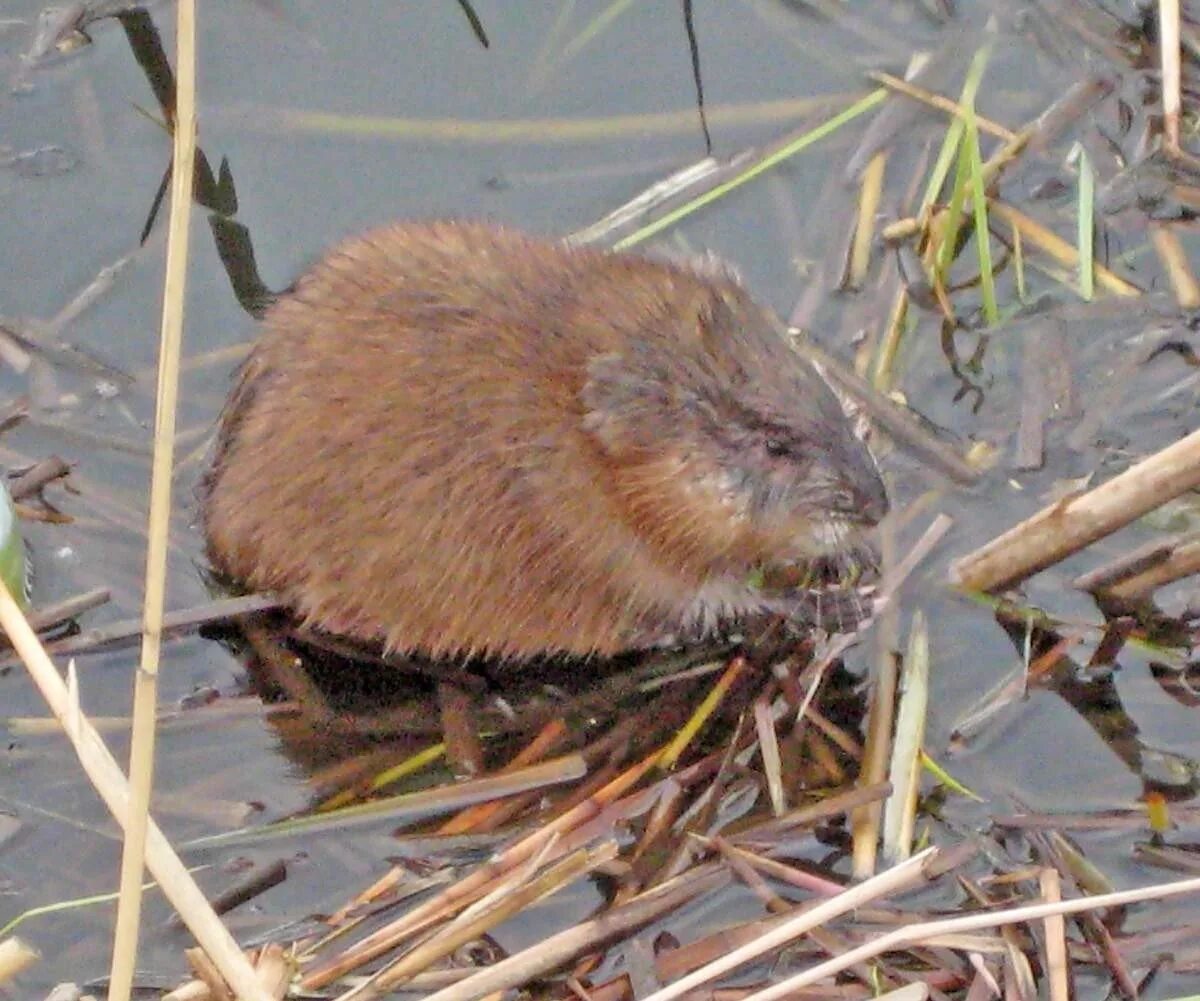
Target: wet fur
[(457, 439)]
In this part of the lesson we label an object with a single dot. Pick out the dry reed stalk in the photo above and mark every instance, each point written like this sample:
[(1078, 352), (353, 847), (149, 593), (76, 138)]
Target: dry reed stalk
[(1055, 930), (1066, 526), (183, 619), (784, 873), (208, 975), (768, 748), (69, 608), (512, 902), (1168, 44), (1035, 234), (893, 880), (15, 956), (564, 946), (900, 812), (951, 107), (472, 887), (924, 931), (145, 691), (540, 131), (413, 806), (105, 774), (1174, 260), (668, 806), (1182, 560), (870, 195), (484, 816), (686, 957), (193, 990), (884, 370), (896, 421), (865, 821), (771, 901)]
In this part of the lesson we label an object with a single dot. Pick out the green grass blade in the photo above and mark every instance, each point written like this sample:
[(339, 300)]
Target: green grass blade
[(983, 245), (791, 149)]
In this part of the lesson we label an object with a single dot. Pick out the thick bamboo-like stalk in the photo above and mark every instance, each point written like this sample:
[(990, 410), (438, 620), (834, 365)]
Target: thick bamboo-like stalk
[(1068, 525), (105, 774)]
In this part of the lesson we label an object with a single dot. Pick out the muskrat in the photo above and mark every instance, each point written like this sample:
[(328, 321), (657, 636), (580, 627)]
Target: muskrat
[(455, 439)]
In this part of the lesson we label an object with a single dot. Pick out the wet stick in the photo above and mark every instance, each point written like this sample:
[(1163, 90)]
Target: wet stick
[(1181, 559), (1066, 526)]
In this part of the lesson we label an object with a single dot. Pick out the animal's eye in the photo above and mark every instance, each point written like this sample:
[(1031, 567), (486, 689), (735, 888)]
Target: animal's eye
[(776, 447)]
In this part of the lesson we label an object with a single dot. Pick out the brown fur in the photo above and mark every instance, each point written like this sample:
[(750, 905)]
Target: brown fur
[(456, 439)]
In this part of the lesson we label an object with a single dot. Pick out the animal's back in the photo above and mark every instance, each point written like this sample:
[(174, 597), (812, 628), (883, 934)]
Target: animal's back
[(404, 457)]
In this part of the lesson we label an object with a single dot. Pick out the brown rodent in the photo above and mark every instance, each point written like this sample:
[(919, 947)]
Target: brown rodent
[(457, 439)]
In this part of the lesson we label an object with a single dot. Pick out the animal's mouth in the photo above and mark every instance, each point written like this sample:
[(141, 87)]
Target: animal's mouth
[(838, 554), (846, 541)]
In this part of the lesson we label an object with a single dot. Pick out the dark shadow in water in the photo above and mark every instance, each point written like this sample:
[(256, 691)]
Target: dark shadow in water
[(1092, 692)]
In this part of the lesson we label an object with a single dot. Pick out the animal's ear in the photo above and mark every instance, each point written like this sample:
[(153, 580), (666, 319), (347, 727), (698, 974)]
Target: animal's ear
[(619, 399)]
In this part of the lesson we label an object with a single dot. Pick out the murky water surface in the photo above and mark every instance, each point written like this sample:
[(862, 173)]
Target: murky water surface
[(330, 123)]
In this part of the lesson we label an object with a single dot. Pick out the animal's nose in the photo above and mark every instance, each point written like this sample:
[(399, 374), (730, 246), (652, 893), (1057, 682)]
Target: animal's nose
[(873, 498), (866, 491)]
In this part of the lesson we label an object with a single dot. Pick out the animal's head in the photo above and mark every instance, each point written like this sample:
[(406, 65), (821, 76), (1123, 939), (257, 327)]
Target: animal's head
[(728, 447)]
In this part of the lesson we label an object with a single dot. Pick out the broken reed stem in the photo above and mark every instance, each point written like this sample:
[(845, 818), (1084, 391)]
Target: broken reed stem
[(1046, 240), (145, 690), (473, 886), (106, 775), (1066, 526), (940, 102), (15, 956), (864, 822), (1168, 42), (1182, 560), (923, 931), (870, 193), (483, 815), (894, 880), (516, 898), (904, 766), (557, 950), (1054, 931), (1174, 260)]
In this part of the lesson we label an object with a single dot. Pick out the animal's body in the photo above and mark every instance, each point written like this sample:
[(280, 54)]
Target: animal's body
[(457, 439)]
